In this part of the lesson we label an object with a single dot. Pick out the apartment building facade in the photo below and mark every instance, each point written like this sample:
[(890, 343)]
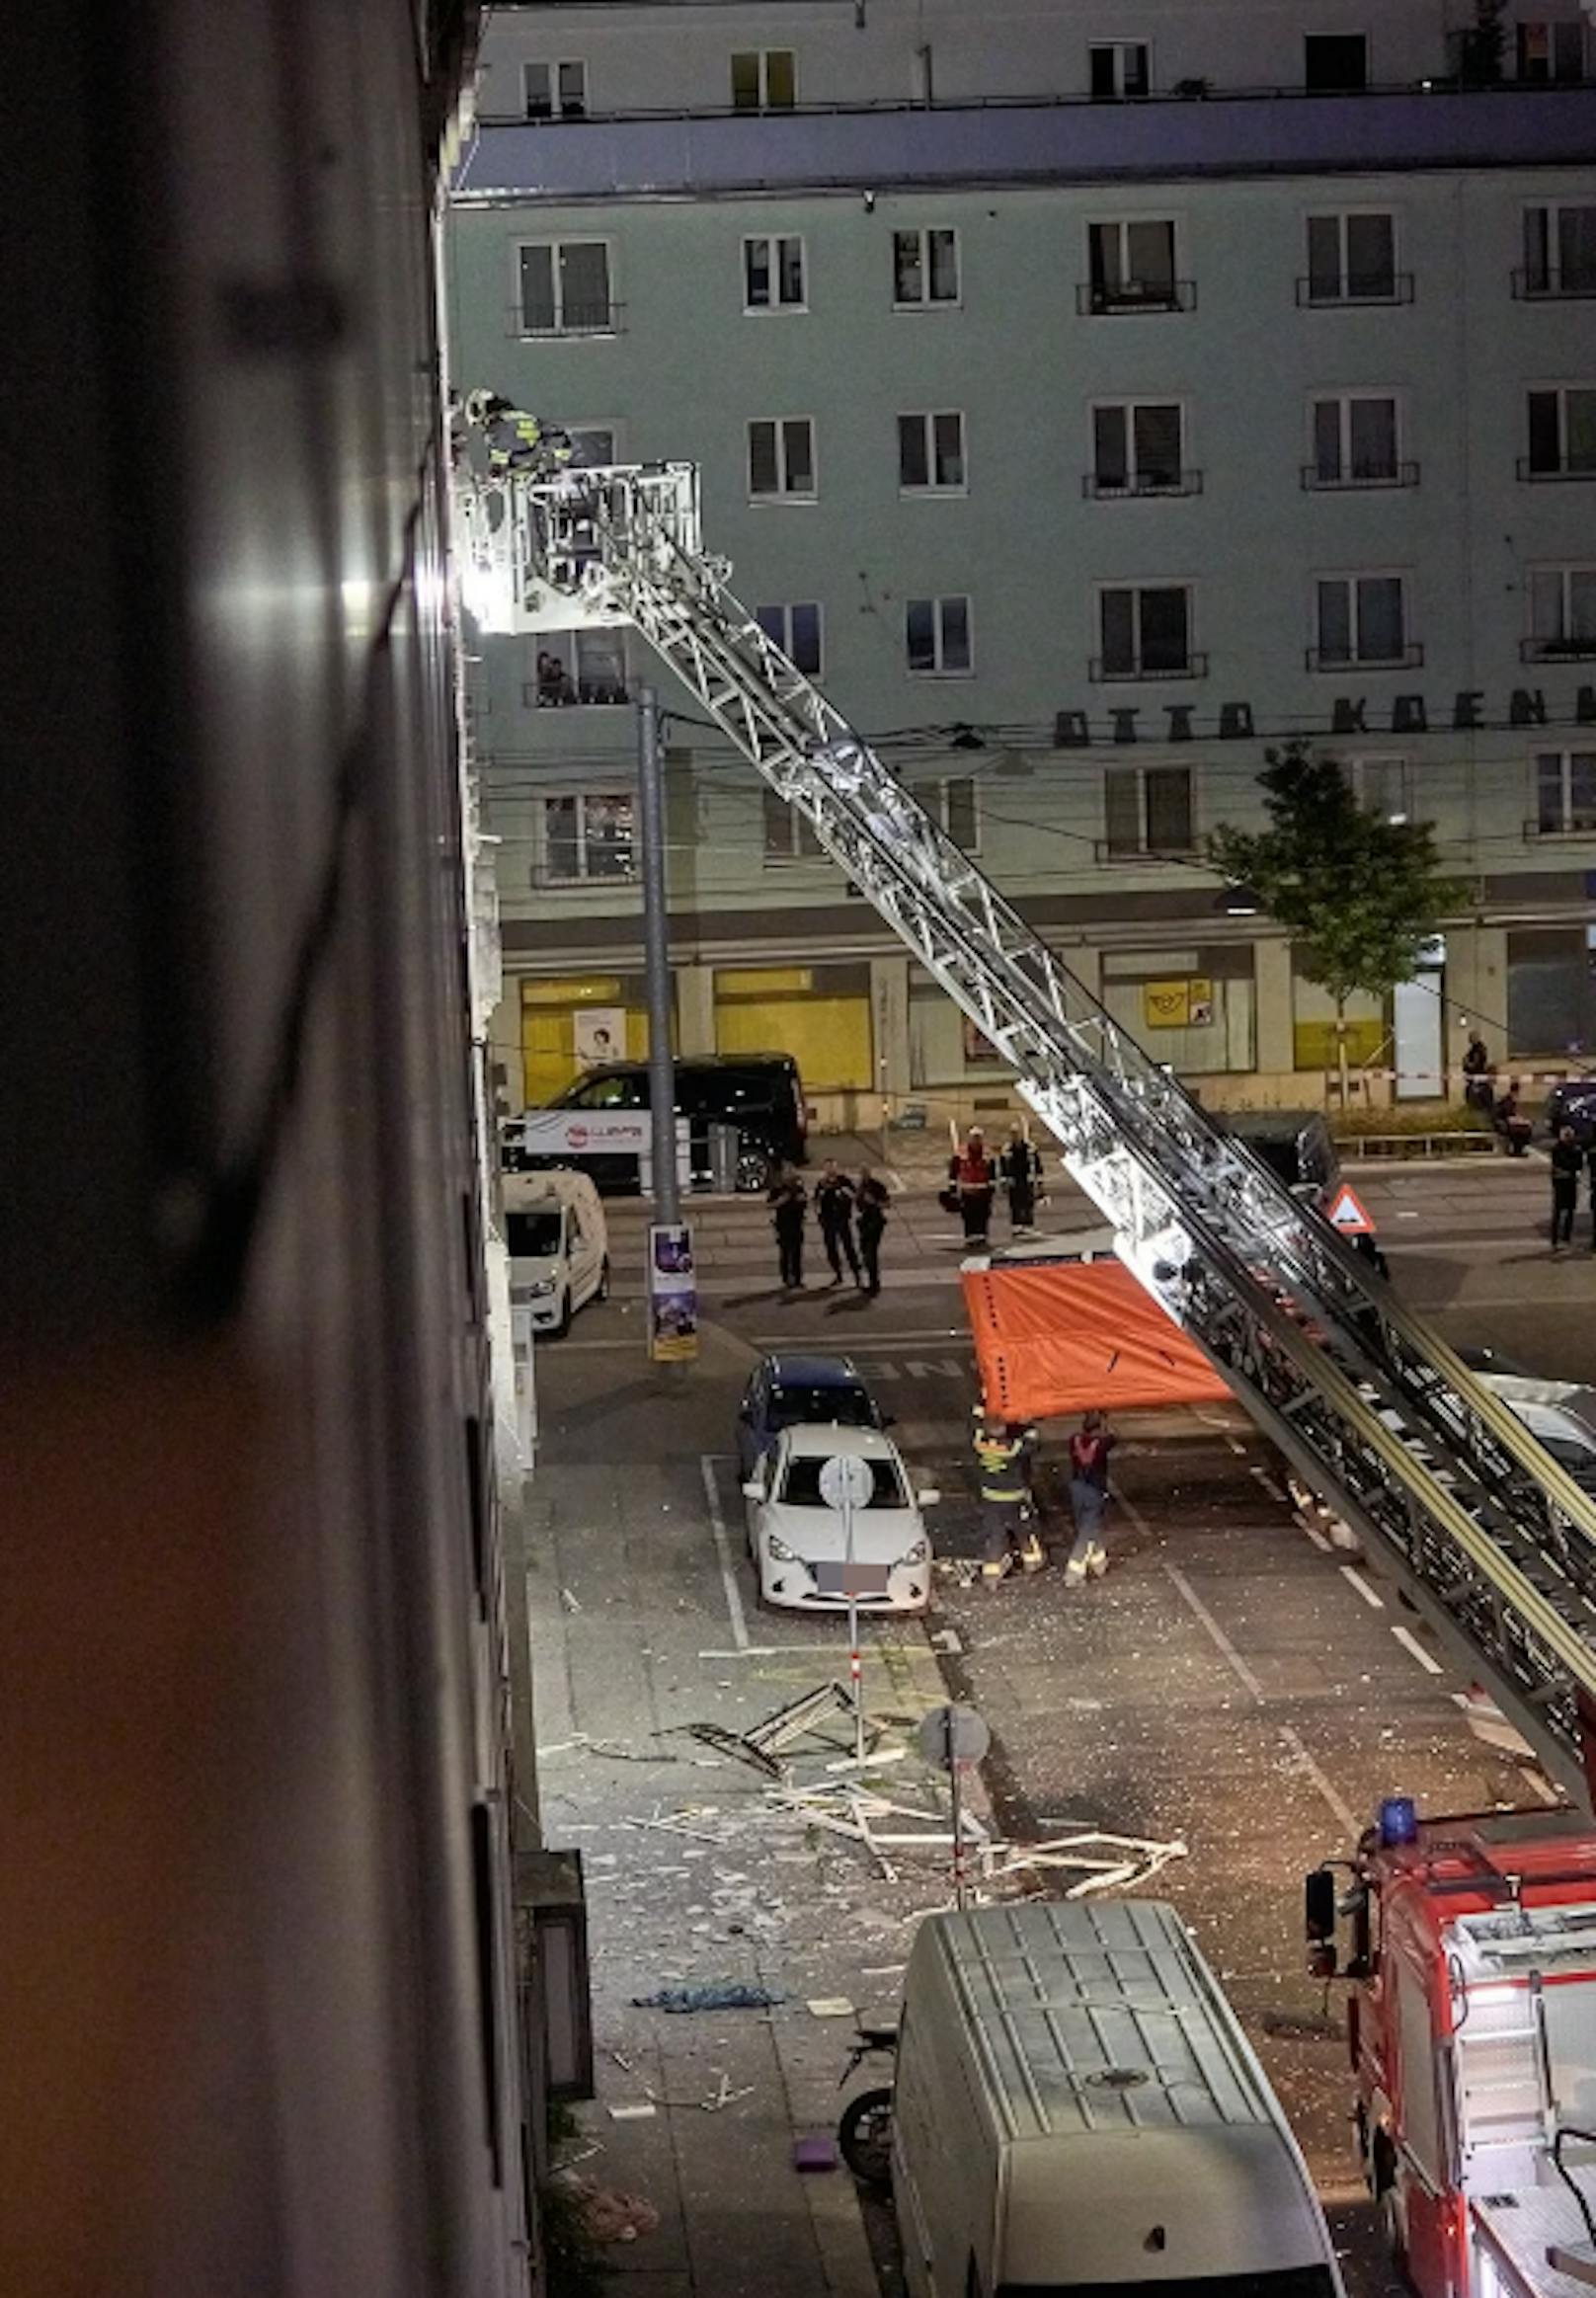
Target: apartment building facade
[(1089, 404)]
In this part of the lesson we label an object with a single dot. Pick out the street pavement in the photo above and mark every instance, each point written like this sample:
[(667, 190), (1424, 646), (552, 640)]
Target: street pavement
[(1231, 1683)]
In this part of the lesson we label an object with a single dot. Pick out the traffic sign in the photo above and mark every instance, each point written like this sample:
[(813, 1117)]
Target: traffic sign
[(1346, 1214), (845, 1481), (949, 1736)]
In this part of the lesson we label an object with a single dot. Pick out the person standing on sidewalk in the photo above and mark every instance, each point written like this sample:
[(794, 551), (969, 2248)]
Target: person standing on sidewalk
[(1568, 1160), (972, 1179), (1000, 1467), (1021, 1166), (873, 1203), (834, 1205), (788, 1198), (1089, 1448)]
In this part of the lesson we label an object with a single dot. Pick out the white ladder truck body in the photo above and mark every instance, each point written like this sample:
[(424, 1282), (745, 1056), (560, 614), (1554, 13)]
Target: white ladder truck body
[(1493, 1539)]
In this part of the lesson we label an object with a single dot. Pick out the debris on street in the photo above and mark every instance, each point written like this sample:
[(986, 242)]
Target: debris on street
[(715, 1995)]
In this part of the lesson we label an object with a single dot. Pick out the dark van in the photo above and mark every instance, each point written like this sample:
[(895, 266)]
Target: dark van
[(762, 1095), (1294, 1144)]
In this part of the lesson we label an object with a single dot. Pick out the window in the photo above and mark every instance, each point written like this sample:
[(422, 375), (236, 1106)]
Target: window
[(587, 838), (764, 80), (1334, 61), (1119, 69), (556, 91), (790, 837), (565, 287), (1565, 793), (1148, 810), (1559, 251), (578, 666), (774, 274), (1137, 448), (924, 268), (1146, 633), (1551, 52), (782, 459), (1352, 259), (937, 635), (1563, 433), (1354, 440), (931, 454), (1381, 786), (1361, 619), (796, 630), (1563, 613), (1132, 267), (952, 806), (591, 445)]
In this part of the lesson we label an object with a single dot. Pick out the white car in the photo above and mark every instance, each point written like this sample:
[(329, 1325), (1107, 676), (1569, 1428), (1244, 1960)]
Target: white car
[(559, 1246), (799, 1542)]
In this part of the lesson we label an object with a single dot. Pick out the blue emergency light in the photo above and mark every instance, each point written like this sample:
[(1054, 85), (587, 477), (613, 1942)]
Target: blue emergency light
[(1398, 1822)]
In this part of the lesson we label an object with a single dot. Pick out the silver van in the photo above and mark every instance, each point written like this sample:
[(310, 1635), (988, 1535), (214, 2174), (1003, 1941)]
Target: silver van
[(1077, 2110)]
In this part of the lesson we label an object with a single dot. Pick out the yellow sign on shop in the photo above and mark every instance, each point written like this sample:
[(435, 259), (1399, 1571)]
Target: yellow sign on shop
[(1187, 1004)]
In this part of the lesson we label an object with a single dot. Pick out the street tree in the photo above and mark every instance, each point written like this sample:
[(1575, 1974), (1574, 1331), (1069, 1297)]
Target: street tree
[(1359, 895)]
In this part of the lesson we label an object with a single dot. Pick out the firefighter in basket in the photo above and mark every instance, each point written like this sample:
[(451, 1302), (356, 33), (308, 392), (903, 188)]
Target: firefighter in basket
[(517, 440)]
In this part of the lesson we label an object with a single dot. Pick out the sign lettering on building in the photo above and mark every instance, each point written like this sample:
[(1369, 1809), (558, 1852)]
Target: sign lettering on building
[(1467, 713)]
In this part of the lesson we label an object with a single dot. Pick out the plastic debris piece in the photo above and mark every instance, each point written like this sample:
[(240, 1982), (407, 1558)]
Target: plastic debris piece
[(830, 2007), (633, 2111), (715, 1995)]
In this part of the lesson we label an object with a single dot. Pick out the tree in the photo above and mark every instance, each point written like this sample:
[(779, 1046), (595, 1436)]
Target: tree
[(1359, 896)]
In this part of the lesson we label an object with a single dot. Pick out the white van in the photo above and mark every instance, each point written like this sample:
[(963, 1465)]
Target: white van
[(1076, 2109), (559, 1246)]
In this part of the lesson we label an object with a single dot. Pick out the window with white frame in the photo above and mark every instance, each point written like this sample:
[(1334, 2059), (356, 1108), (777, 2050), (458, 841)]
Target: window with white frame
[(789, 835), (764, 80), (796, 630), (1120, 69), (1130, 266), (587, 838), (565, 287), (952, 804), (1559, 249), (1137, 448), (1563, 433), (556, 91), (1355, 443), (1383, 786), (773, 273), (1352, 257), (1563, 613), (1551, 52), (924, 268), (931, 454), (782, 459), (1565, 793), (1145, 631), (1361, 619), (577, 667), (1148, 810), (936, 634)]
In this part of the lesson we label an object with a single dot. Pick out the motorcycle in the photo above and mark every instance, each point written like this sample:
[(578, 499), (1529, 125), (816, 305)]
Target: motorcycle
[(864, 2130)]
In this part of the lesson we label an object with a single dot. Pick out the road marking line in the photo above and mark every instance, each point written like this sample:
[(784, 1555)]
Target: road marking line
[(723, 1551), (760, 1651), (1410, 1643), (1249, 1682), (1326, 1547), (1355, 1579), (1271, 1485)]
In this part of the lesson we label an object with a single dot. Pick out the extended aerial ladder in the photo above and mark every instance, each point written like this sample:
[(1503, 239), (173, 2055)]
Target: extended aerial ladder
[(1493, 1539)]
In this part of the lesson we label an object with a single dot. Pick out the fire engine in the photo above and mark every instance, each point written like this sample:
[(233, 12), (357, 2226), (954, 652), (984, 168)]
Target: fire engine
[(1471, 2029)]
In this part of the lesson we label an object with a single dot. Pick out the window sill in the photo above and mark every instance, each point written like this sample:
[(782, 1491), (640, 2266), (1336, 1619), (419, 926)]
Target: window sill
[(939, 303), (1535, 476), (1104, 852), (1194, 667), (942, 494), (1342, 667), (780, 502), (1537, 833), (1315, 483), (913, 674), (1092, 303), (775, 310), (1557, 650), (1135, 489), (1347, 296), (1550, 292)]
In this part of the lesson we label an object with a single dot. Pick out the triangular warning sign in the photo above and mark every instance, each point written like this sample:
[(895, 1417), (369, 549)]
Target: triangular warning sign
[(1345, 1213)]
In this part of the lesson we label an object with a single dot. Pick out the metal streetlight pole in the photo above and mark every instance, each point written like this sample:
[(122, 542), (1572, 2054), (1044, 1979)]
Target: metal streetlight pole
[(656, 961)]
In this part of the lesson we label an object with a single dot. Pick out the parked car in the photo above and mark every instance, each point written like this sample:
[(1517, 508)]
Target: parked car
[(558, 1244), (1559, 1414), (1294, 1144), (799, 1542), (792, 1392), (1573, 1102), (761, 1094)]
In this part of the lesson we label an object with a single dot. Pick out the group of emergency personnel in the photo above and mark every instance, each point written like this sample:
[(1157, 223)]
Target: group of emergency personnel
[(1006, 1466)]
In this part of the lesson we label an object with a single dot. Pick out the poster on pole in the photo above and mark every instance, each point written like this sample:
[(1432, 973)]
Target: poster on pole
[(672, 1295)]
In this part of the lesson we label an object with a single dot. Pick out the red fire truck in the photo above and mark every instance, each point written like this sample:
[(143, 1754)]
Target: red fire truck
[(1472, 2021)]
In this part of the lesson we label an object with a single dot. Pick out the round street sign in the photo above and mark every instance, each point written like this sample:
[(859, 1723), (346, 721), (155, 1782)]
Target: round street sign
[(953, 1735), (845, 1481)]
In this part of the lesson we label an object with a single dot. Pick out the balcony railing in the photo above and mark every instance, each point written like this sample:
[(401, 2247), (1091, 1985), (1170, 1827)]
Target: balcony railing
[(1411, 657), (1103, 673), (1580, 821), (1540, 474), (542, 325), (1101, 299), (1319, 293), (1359, 479), (1557, 650), (573, 691), (1555, 283), (1097, 487)]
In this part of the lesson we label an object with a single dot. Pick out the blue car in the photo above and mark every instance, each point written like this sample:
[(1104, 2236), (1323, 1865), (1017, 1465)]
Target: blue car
[(786, 1391), (1573, 1102)]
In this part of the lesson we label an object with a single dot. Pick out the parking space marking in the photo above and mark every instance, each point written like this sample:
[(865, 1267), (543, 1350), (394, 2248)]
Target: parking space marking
[(1275, 1490), (723, 1553), (1318, 1540), (1410, 1643), (1355, 1579)]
